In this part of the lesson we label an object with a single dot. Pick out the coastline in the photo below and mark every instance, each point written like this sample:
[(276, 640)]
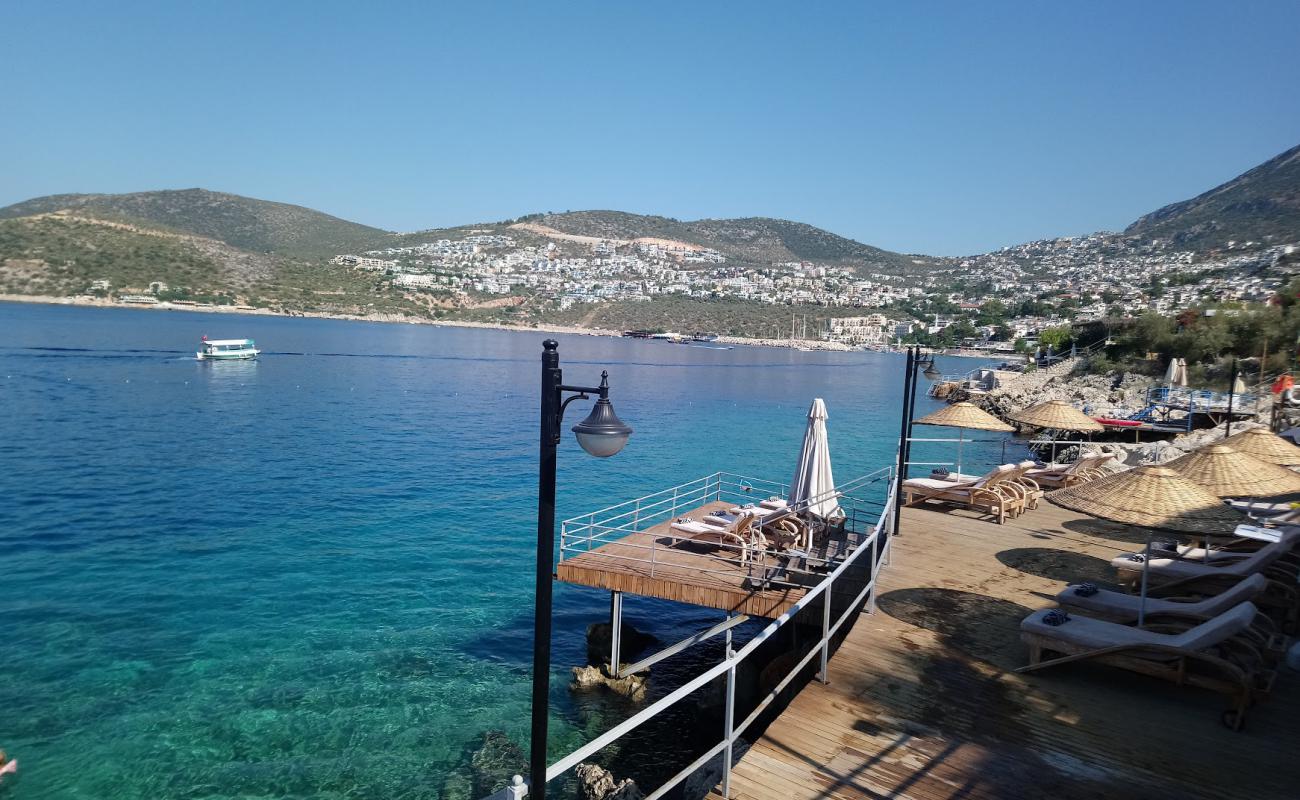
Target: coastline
[(398, 319)]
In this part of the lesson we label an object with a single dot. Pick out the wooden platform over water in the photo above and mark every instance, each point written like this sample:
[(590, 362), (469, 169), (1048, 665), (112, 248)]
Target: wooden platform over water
[(923, 702), (702, 574)]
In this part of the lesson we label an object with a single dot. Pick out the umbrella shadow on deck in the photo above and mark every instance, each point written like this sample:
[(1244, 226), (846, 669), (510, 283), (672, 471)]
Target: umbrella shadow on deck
[(1060, 565)]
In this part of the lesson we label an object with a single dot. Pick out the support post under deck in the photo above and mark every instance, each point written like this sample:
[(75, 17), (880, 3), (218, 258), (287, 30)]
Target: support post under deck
[(615, 632)]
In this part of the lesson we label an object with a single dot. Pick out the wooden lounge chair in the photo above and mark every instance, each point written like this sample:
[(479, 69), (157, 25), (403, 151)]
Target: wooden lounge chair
[(1210, 655), (1273, 560), (1019, 481), (738, 532), (988, 493), (1122, 607), (1092, 601), (1085, 468), (778, 523)]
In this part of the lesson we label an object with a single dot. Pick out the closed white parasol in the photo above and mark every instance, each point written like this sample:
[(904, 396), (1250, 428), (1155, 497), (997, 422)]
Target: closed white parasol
[(813, 482)]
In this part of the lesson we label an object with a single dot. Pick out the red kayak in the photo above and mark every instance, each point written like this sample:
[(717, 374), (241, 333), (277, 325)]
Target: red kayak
[(1119, 423)]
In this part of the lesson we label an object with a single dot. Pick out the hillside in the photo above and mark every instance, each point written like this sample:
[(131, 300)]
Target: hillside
[(750, 240), (1261, 205), (259, 226)]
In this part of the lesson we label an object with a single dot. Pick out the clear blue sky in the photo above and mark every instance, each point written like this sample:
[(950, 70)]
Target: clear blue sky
[(943, 128)]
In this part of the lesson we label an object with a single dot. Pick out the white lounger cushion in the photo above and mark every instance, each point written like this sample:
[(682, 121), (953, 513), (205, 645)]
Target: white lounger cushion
[(693, 527), (1177, 567), (1085, 632), (1118, 603)]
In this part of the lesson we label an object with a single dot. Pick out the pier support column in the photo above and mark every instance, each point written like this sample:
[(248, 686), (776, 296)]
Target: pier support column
[(615, 633)]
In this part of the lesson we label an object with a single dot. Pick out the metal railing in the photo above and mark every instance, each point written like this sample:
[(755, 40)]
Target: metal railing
[(870, 553)]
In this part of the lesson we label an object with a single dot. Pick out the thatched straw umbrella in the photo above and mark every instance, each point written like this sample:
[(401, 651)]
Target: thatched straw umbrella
[(965, 415), (1057, 415), (1265, 446), (1150, 497), (1228, 472)]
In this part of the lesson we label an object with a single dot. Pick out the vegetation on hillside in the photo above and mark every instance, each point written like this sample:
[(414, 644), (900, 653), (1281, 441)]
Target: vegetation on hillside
[(688, 315), (1261, 205), (1264, 340), (258, 226), (752, 240), (53, 256)]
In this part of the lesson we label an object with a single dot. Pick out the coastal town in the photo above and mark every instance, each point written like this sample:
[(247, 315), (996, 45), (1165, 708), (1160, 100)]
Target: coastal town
[(962, 302)]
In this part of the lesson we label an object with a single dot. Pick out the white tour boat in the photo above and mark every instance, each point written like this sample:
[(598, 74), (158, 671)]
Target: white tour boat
[(227, 349)]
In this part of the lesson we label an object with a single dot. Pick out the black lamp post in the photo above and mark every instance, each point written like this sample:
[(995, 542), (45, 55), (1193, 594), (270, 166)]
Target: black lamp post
[(602, 434)]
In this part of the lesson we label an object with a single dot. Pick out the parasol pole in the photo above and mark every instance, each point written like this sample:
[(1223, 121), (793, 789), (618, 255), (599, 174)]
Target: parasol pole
[(1232, 387), (1146, 569), (960, 435)]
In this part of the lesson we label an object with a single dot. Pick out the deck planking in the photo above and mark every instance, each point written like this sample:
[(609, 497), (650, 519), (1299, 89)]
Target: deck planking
[(923, 701)]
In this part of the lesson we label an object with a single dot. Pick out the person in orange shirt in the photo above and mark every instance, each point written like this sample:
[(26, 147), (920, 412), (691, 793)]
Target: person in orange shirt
[(8, 766)]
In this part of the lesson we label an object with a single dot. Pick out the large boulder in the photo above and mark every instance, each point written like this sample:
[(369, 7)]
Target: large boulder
[(597, 783), (633, 687), (599, 640), (495, 763)]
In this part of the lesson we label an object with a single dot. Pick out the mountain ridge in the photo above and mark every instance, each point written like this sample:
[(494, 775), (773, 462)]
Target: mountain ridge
[(261, 226), (1261, 204)]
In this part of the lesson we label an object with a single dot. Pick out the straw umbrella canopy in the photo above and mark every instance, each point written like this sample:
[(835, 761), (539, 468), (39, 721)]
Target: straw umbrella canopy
[(1265, 446), (965, 415), (1227, 472), (1057, 415), (1150, 497)]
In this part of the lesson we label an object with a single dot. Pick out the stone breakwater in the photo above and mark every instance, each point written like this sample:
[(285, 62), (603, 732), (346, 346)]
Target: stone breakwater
[(1114, 395)]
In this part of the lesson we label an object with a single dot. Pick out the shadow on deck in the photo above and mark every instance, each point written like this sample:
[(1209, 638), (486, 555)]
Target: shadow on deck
[(923, 701)]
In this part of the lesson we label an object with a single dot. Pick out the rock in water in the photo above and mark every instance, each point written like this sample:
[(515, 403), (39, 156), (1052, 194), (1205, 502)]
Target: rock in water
[(494, 764), (596, 783), (598, 641), (632, 687)]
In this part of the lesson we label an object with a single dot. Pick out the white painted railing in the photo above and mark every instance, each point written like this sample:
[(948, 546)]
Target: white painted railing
[(870, 553)]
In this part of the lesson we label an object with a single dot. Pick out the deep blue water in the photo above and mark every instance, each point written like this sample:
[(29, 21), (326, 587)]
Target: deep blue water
[(310, 575)]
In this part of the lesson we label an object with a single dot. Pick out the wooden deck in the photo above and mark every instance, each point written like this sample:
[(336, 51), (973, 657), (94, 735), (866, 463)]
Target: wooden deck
[(698, 573), (923, 703)]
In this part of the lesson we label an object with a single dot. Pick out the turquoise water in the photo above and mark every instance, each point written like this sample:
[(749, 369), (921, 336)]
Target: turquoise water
[(310, 575)]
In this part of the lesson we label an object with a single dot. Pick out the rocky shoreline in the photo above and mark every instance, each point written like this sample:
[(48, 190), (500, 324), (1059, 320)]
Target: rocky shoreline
[(575, 330), (1118, 395)]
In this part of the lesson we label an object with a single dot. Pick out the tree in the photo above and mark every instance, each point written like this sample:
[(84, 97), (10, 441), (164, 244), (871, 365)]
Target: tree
[(1056, 338)]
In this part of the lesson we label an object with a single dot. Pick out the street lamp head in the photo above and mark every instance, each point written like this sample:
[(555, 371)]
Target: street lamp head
[(602, 433)]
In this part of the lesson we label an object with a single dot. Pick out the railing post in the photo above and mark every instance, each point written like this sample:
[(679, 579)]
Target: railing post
[(825, 676), (875, 571), (730, 717)]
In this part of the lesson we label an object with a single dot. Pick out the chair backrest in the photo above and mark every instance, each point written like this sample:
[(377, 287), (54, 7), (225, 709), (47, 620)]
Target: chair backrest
[(1216, 630), (996, 476)]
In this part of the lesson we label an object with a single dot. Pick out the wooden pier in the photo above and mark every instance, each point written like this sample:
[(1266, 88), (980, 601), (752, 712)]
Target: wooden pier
[(923, 701), (655, 562)]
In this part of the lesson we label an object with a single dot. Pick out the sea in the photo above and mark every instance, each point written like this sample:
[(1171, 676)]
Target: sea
[(311, 575)]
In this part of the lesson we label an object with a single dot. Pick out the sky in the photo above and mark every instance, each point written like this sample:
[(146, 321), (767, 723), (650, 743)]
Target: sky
[(945, 128)]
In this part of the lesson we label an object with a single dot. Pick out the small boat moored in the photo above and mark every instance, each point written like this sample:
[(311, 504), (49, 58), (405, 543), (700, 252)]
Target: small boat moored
[(227, 349)]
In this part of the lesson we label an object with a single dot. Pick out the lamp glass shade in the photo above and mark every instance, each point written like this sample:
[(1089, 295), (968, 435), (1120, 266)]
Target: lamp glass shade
[(602, 433)]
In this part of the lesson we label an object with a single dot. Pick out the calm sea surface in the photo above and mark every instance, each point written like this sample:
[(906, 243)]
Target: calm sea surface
[(310, 575)]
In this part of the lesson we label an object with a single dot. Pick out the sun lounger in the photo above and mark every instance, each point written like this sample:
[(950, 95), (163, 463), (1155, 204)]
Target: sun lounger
[(1265, 560), (1026, 487), (1085, 468), (987, 493), (1122, 607), (738, 532), (1210, 655)]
